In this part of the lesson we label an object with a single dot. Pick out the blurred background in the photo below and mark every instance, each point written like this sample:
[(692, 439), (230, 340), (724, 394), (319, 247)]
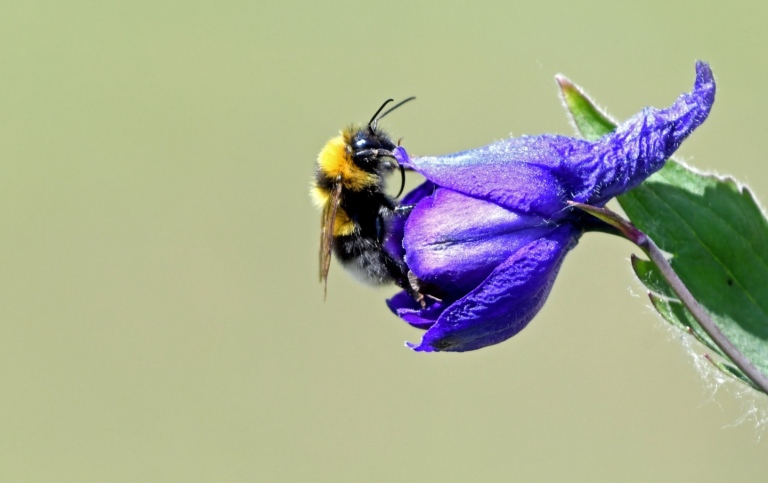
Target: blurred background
[(160, 315)]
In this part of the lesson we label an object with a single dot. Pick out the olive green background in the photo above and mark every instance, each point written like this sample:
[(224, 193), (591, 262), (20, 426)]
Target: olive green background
[(160, 316)]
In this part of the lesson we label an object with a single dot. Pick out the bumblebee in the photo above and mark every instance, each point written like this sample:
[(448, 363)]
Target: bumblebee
[(349, 186)]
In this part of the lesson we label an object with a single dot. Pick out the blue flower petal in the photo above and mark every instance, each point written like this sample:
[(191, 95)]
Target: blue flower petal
[(512, 173), (491, 226), (393, 243), (506, 301), (403, 305), (455, 241), (538, 174), (639, 146)]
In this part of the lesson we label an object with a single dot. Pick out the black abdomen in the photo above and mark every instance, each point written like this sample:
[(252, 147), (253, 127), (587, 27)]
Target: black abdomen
[(366, 258), (363, 251)]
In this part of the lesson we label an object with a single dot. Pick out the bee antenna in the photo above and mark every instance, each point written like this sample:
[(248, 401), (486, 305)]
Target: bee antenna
[(375, 120), (402, 181)]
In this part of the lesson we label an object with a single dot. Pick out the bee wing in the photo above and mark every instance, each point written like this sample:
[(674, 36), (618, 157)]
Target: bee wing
[(326, 234)]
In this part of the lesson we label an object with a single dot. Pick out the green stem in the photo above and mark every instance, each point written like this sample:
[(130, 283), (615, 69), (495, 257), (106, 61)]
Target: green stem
[(631, 233)]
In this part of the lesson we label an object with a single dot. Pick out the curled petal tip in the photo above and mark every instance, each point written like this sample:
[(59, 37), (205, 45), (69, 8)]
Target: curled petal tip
[(703, 73), (641, 145), (705, 82)]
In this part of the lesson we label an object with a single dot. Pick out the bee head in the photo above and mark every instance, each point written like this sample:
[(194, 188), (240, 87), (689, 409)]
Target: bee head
[(371, 150)]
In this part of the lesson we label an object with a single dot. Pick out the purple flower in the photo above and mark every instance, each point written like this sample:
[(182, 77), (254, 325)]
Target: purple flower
[(490, 227)]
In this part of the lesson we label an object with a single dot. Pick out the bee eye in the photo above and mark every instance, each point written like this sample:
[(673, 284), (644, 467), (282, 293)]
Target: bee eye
[(366, 143)]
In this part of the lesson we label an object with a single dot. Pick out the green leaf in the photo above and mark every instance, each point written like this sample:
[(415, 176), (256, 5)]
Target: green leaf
[(717, 236), (719, 241)]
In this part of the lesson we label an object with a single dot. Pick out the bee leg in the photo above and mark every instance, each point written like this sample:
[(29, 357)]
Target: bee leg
[(404, 210), (420, 290)]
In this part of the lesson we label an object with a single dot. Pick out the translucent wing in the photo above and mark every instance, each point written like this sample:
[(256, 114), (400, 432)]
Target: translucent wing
[(326, 234)]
